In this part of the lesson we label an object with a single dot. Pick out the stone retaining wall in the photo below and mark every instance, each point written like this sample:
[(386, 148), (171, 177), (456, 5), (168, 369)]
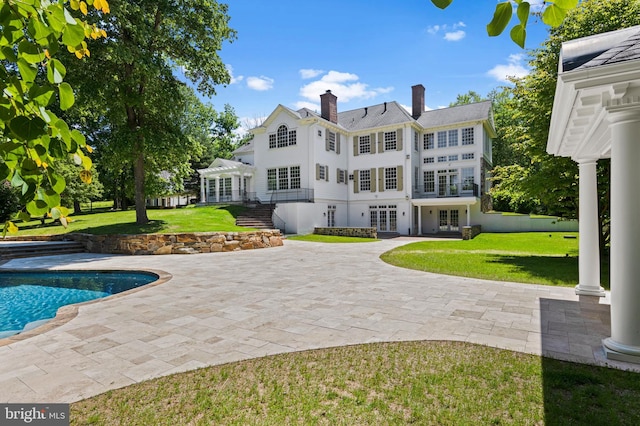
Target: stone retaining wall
[(470, 232), (187, 243), (348, 232)]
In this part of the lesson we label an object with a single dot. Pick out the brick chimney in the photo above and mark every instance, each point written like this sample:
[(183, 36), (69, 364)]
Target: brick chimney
[(417, 100), (329, 106)]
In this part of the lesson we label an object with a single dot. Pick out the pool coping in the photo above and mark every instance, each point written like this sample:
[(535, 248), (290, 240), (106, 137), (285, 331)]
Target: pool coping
[(68, 312)]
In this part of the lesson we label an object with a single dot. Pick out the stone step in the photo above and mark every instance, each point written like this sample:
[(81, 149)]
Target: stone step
[(21, 249)]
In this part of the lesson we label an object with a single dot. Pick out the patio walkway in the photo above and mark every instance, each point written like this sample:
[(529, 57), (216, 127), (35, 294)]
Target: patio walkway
[(225, 307)]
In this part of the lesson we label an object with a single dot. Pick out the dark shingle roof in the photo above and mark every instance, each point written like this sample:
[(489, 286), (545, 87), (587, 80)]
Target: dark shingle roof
[(385, 114), (457, 114), (601, 49)]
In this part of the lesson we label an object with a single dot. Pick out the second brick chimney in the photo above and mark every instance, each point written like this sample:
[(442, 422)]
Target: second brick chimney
[(329, 106), (417, 100)]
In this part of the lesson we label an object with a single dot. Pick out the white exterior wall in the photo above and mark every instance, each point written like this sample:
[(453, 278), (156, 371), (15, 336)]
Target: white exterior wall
[(497, 222), (328, 190)]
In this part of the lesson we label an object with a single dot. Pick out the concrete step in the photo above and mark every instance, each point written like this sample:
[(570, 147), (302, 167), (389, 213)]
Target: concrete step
[(20, 249)]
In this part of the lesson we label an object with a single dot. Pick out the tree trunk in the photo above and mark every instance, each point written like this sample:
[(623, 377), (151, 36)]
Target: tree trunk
[(76, 207), (141, 205)]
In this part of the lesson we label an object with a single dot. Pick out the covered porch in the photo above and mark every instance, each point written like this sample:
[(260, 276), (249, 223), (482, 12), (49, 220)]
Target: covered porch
[(596, 115), (443, 215), (227, 181)]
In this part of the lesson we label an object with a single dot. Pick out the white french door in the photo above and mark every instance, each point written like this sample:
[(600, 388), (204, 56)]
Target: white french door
[(449, 221)]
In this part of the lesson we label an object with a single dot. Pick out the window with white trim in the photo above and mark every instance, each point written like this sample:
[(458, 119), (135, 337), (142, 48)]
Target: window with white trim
[(453, 157), (322, 173), (442, 159), (364, 144), (283, 137), (390, 142), (453, 137), (468, 156), (428, 141), (282, 178), (390, 178), (467, 136), (442, 139), (342, 176), (429, 181), (294, 177), (272, 182), (429, 160), (332, 141), (365, 180), (467, 178), (416, 141)]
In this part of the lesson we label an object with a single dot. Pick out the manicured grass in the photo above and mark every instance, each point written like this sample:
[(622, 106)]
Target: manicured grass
[(191, 219), (426, 383), (330, 239), (536, 257)]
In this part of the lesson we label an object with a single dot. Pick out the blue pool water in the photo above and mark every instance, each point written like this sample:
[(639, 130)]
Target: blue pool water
[(30, 298)]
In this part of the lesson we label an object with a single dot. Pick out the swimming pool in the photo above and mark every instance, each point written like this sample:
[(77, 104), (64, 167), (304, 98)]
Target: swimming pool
[(30, 298)]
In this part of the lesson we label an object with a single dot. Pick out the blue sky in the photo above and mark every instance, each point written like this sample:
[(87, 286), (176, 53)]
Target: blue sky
[(289, 52)]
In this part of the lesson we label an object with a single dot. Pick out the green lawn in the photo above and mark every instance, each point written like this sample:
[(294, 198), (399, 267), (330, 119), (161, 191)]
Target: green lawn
[(534, 257), (424, 383), (330, 239), (191, 219)]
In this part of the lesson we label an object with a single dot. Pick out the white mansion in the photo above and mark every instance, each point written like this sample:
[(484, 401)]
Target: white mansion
[(378, 166)]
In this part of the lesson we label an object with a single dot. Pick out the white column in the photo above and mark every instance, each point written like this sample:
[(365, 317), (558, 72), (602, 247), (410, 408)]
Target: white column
[(203, 189), (208, 187), (419, 220), (241, 186), (624, 343), (589, 254), (468, 215), (217, 189)]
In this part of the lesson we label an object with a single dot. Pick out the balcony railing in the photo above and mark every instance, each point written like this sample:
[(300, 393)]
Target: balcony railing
[(449, 191), (299, 195), (234, 196)]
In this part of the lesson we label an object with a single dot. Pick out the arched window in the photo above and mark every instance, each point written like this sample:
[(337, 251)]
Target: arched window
[(283, 136)]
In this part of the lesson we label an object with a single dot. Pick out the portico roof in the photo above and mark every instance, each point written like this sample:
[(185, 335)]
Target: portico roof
[(595, 74), (227, 167)]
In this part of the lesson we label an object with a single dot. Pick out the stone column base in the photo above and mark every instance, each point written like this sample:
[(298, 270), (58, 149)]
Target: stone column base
[(619, 352), (590, 291)]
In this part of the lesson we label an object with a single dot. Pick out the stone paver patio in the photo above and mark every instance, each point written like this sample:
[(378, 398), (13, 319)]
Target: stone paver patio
[(226, 307)]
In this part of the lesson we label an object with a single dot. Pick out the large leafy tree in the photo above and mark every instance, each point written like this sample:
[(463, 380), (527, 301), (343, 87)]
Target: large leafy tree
[(143, 101), (36, 34), (554, 180)]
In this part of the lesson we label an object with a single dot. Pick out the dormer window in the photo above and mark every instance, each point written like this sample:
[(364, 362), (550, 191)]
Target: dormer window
[(282, 137)]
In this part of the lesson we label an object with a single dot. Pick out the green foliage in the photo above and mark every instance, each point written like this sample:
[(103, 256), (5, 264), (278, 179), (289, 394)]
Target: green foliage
[(77, 191), (467, 98), (33, 137), (141, 104), (9, 201), (553, 15)]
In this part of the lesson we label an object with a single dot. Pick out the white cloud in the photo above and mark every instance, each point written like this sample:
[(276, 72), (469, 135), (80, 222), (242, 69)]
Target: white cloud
[(451, 32), (345, 86), (513, 68), (309, 73), (455, 35), (234, 79), (261, 83), (304, 104)]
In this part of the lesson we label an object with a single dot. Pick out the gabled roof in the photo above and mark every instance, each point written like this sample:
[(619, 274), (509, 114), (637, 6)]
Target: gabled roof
[(243, 149), (478, 111), (597, 74), (601, 49), (220, 165), (386, 114)]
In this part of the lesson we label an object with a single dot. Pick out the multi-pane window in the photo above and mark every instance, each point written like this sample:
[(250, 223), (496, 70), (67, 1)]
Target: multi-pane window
[(272, 182), (390, 178), (442, 139), (429, 160), (226, 188), (453, 137), (468, 156), (453, 157), (416, 141), (364, 144), (331, 216), (442, 159), (393, 219), (365, 180), (429, 181), (390, 142), (322, 173), (294, 176), (467, 178), (428, 141), (467, 136), (282, 137), (283, 178), (332, 141), (342, 176)]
